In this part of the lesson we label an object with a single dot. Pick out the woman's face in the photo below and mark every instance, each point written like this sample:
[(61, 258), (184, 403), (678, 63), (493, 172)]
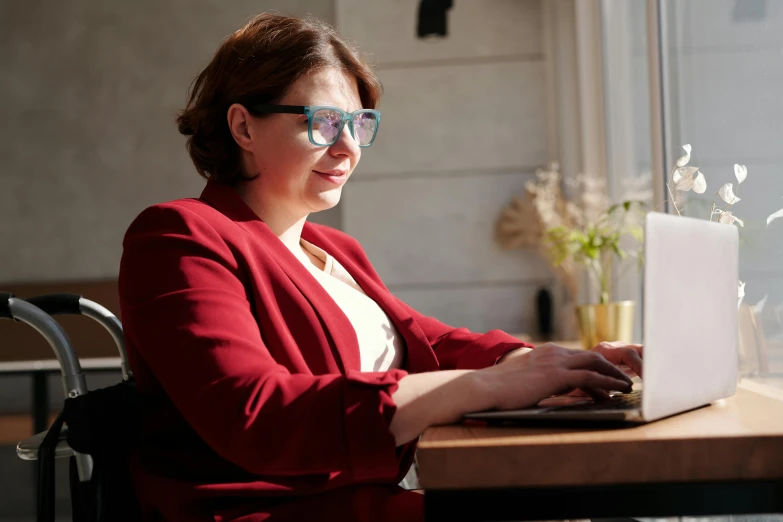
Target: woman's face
[(295, 176)]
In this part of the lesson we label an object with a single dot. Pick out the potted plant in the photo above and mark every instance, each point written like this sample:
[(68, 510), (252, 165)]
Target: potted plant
[(586, 234), (590, 234)]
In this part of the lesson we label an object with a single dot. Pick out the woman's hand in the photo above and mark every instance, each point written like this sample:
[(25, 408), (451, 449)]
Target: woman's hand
[(616, 352), (521, 379), (527, 378), (627, 356), (619, 353)]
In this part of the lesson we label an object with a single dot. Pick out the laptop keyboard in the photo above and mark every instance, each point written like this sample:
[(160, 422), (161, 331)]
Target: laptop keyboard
[(626, 401)]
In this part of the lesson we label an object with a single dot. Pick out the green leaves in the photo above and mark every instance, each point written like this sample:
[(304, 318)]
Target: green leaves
[(590, 243), (617, 250), (636, 232), (594, 245)]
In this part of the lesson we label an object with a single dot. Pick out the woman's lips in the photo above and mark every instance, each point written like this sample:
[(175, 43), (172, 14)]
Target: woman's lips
[(335, 176)]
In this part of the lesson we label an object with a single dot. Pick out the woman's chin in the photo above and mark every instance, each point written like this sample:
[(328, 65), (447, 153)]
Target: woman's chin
[(326, 200)]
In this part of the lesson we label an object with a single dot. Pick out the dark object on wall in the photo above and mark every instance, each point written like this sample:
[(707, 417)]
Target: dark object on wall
[(432, 17), (544, 313), (749, 10)]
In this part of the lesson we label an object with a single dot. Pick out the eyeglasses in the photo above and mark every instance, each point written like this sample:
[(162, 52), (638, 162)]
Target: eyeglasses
[(325, 124)]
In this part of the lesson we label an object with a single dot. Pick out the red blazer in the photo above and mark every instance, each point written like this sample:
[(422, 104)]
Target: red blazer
[(249, 372)]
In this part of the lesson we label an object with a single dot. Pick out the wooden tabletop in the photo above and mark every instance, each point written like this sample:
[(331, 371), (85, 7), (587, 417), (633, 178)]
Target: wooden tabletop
[(740, 438), (573, 344)]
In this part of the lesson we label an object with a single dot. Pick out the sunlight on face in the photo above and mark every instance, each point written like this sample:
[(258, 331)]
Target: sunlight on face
[(291, 169)]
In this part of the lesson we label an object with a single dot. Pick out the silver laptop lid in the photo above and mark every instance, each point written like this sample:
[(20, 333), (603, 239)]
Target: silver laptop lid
[(690, 313)]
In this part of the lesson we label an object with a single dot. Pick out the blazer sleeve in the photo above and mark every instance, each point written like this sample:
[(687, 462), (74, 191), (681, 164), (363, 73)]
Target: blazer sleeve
[(461, 349), (455, 348), (187, 312)]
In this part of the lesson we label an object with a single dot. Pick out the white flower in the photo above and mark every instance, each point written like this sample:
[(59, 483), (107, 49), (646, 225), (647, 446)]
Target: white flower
[(726, 193), (685, 180), (740, 292), (727, 218), (772, 217), (741, 171), (684, 159)]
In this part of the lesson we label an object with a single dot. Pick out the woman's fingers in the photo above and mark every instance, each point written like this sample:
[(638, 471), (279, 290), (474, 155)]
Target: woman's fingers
[(597, 394), (621, 353), (632, 359), (625, 357), (613, 345), (598, 363), (587, 379), (593, 393), (628, 371)]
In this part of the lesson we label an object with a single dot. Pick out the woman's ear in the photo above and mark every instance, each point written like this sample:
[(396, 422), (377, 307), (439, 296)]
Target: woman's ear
[(239, 124)]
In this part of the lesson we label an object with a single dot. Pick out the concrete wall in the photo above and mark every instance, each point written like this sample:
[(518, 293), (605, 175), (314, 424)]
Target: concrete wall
[(88, 95), (89, 91), (464, 126)]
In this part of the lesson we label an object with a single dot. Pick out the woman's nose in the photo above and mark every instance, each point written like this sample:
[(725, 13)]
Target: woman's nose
[(346, 145)]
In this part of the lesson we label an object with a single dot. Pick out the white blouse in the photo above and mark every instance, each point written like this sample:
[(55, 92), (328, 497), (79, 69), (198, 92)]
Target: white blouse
[(380, 344)]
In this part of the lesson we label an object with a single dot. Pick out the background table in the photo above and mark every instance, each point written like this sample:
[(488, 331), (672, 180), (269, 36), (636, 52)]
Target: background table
[(39, 372)]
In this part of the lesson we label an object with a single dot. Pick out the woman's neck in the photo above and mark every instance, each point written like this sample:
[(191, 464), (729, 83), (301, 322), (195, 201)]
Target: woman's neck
[(285, 224)]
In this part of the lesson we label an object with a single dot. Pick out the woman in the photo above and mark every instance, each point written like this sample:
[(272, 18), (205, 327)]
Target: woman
[(283, 381)]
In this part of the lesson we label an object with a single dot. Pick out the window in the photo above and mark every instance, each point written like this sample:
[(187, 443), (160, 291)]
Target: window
[(708, 73)]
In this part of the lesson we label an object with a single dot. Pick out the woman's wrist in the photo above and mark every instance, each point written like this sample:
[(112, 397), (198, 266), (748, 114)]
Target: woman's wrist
[(483, 389), (432, 398), (516, 352), (476, 393)]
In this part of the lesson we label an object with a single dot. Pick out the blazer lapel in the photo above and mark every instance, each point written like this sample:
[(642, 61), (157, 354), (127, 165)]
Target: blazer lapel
[(419, 352), (338, 327)]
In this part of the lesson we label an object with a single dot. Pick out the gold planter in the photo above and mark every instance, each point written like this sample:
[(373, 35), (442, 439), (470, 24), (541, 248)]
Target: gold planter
[(607, 322)]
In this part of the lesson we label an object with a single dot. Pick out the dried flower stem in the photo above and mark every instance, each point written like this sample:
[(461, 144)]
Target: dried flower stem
[(672, 200)]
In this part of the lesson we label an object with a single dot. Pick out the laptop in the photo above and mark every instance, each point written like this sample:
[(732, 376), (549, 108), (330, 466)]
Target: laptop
[(690, 328)]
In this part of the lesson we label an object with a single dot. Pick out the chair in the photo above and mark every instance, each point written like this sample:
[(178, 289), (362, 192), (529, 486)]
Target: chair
[(102, 426)]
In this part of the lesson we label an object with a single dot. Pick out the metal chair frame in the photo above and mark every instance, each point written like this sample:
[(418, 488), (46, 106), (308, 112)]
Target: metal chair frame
[(37, 312)]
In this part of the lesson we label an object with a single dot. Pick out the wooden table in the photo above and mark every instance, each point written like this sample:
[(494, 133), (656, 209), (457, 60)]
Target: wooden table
[(573, 344), (726, 458)]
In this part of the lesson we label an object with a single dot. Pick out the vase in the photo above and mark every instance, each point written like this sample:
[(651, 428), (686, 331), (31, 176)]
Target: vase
[(605, 322)]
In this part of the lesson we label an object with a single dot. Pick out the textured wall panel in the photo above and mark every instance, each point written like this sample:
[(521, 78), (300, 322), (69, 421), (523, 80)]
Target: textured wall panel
[(508, 307), (481, 116), (476, 29), (438, 230), (88, 96)]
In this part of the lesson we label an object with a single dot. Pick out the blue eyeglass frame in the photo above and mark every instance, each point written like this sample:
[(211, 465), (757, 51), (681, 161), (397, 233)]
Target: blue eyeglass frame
[(309, 110)]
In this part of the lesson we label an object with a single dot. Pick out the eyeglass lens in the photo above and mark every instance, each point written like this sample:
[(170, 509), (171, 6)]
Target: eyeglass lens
[(326, 125)]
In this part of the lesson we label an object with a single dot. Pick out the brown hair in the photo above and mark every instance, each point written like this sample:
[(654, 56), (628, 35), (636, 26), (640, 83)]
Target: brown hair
[(263, 59)]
